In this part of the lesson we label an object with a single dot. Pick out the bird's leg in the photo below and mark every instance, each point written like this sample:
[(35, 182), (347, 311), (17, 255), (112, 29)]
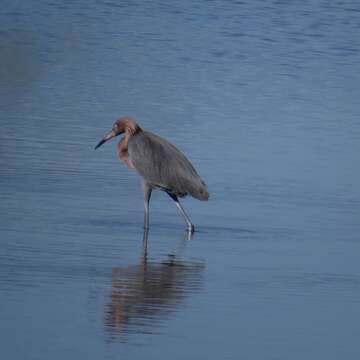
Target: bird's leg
[(190, 225), (147, 188), (145, 242)]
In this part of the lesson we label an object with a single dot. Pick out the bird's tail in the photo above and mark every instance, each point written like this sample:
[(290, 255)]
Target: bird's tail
[(200, 192)]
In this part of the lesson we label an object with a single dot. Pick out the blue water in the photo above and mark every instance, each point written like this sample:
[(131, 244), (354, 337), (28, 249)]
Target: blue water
[(263, 97)]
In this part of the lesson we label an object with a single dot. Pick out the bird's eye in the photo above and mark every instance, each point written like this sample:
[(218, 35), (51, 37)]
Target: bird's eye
[(115, 127)]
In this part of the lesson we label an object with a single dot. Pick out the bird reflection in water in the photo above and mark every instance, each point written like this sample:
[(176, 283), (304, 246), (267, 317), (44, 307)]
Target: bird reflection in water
[(145, 294)]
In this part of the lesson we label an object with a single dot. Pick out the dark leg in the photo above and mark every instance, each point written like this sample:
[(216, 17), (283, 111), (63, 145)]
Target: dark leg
[(147, 188), (145, 242), (190, 225)]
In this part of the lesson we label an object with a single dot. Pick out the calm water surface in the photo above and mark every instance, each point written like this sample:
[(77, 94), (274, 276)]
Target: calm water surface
[(264, 99)]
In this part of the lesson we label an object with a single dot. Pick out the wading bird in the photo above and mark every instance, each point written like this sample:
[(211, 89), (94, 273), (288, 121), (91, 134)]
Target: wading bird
[(160, 164)]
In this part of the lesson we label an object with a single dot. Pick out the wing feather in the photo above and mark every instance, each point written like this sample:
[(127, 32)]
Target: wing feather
[(163, 165)]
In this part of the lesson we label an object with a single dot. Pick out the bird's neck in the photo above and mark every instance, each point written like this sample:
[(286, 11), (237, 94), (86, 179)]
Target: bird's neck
[(131, 127), (124, 143), (123, 150)]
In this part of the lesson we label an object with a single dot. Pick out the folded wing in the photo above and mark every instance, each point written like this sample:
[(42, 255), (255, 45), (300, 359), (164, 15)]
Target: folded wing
[(164, 166)]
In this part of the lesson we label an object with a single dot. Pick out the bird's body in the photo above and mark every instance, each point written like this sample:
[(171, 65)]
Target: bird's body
[(160, 164)]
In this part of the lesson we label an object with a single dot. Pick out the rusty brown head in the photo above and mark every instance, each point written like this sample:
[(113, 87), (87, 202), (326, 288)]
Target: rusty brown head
[(123, 125)]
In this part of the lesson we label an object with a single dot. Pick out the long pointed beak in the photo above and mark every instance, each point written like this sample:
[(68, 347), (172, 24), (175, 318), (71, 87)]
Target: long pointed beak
[(107, 137)]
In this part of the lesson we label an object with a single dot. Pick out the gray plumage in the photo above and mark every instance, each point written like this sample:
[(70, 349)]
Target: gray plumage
[(164, 166), (160, 164)]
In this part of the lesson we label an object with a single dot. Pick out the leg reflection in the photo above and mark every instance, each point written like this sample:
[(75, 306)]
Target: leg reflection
[(147, 292), (145, 243), (175, 253)]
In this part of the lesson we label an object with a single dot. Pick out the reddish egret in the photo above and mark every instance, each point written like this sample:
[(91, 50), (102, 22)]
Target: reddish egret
[(160, 164)]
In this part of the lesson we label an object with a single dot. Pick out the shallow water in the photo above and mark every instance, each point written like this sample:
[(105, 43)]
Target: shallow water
[(263, 98)]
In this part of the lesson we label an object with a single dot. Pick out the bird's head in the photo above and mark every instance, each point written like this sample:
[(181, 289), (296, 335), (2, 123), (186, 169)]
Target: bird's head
[(123, 125)]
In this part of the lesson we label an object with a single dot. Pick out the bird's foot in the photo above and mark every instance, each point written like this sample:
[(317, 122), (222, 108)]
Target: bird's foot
[(190, 228)]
